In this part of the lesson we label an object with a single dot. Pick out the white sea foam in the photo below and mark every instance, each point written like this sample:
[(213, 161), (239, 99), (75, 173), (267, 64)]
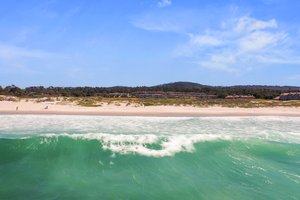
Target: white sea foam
[(139, 144), (135, 134)]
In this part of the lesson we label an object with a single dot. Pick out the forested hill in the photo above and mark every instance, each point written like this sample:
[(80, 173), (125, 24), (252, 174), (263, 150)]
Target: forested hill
[(191, 85), (183, 85), (259, 91)]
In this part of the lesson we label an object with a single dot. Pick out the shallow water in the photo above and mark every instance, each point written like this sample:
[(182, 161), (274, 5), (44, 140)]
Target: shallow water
[(90, 157)]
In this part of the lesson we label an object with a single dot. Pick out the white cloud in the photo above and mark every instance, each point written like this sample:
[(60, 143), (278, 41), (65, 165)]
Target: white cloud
[(233, 43), (8, 52), (13, 52), (160, 26), (20, 60), (158, 21), (221, 61), (241, 44), (164, 3), (247, 24), (259, 40), (205, 40)]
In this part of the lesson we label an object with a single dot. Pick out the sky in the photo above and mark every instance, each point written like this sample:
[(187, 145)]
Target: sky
[(149, 42)]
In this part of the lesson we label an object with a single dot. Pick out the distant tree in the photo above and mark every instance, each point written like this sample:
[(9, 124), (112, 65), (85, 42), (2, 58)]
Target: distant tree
[(13, 90)]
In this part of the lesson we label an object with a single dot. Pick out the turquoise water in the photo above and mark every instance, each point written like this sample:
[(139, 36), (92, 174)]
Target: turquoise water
[(89, 157)]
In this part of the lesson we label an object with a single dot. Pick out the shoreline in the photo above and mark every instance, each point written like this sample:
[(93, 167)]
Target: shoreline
[(50, 108), (152, 114)]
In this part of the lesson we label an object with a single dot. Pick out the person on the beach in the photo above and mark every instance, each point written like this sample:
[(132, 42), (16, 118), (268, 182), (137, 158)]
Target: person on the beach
[(17, 108)]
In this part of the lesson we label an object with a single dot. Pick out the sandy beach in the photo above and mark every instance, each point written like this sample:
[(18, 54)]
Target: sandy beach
[(121, 109)]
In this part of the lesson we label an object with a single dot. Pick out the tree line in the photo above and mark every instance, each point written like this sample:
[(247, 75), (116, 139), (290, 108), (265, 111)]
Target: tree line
[(261, 92)]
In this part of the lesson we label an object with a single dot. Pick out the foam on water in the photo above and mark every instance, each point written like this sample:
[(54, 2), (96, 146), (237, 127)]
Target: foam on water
[(169, 145), (137, 135), (82, 157)]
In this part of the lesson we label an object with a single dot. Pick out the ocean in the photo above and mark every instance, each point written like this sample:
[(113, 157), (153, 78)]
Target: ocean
[(94, 157)]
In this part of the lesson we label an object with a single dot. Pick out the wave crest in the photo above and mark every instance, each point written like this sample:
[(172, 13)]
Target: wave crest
[(146, 145)]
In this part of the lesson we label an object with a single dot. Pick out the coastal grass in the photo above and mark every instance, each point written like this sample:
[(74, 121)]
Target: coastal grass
[(231, 103), (138, 102)]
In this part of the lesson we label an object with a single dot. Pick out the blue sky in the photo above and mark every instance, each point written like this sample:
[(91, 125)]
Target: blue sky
[(149, 42)]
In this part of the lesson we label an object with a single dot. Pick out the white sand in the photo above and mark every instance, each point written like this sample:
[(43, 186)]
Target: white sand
[(30, 107)]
